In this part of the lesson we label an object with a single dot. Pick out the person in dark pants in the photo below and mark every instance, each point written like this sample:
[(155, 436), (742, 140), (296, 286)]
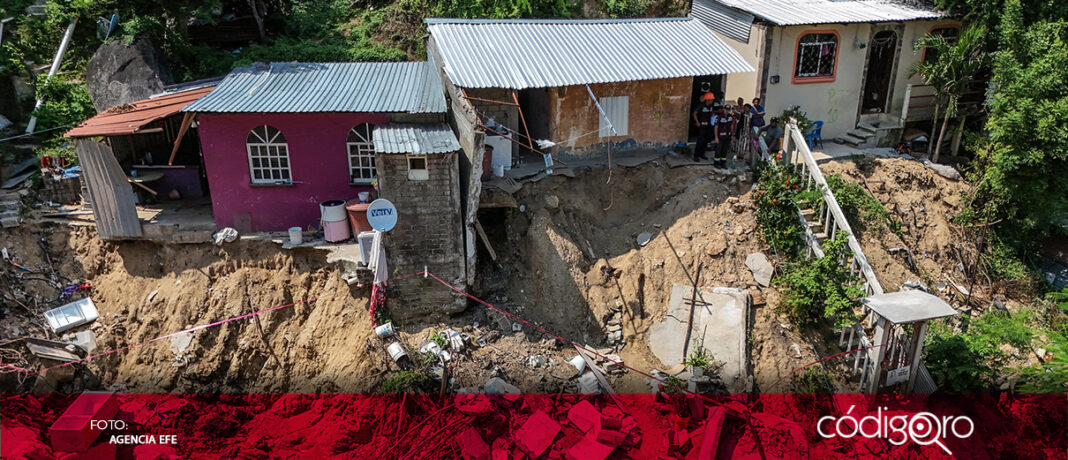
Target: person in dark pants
[(704, 116), (723, 132)]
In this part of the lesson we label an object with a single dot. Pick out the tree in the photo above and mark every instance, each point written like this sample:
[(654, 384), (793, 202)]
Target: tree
[(956, 64), (1023, 170)]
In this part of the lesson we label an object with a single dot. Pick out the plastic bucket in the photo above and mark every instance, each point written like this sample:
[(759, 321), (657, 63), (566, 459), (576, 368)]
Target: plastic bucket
[(332, 210), (578, 362), (366, 240), (498, 170), (396, 351), (296, 236), (336, 231), (364, 196), (384, 330), (358, 216)]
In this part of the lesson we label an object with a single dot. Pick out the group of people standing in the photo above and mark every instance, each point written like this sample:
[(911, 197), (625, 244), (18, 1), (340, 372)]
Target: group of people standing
[(720, 124)]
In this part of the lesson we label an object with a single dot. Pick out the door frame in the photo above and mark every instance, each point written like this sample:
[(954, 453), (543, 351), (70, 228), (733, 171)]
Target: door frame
[(899, 31)]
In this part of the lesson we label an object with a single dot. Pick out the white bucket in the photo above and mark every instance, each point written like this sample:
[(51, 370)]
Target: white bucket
[(333, 211), (364, 196), (296, 235), (578, 362), (498, 170), (396, 351), (384, 330)]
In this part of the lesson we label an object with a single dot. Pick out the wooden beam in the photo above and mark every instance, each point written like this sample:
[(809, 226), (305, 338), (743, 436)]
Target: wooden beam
[(187, 120), (485, 240)]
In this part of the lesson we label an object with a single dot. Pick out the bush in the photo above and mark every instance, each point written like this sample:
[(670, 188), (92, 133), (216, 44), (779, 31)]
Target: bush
[(821, 289), (699, 358), (404, 382), (967, 362), (776, 197), (795, 112), (66, 102)]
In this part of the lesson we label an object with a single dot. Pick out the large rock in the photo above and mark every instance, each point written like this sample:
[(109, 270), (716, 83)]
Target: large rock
[(119, 73), (761, 268)]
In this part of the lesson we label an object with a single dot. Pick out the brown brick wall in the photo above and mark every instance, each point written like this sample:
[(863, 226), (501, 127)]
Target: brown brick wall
[(428, 232), (658, 116)]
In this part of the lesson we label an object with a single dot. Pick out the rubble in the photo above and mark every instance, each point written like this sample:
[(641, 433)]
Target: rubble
[(760, 267)]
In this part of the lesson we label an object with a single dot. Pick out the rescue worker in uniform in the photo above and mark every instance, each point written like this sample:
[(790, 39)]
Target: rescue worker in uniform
[(723, 132), (704, 116)]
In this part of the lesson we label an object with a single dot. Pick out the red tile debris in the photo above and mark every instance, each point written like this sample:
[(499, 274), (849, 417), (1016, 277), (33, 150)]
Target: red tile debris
[(589, 449), (584, 416), (537, 434), (472, 446)]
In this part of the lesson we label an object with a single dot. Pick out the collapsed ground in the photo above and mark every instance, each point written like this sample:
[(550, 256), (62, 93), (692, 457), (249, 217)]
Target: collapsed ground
[(568, 260)]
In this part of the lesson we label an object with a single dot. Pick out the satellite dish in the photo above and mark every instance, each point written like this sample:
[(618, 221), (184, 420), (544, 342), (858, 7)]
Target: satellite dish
[(105, 27), (382, 215)]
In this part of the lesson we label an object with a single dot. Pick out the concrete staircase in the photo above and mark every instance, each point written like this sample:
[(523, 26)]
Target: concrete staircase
[(860, 137)]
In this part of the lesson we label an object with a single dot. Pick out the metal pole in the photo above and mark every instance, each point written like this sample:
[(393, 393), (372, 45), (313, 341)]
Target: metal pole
[(56, 61), (693, 303)]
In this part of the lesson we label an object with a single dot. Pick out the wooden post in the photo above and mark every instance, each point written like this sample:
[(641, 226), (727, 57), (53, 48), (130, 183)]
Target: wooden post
[(918, 334)]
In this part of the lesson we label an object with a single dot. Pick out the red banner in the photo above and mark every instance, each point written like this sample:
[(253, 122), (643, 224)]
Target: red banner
[(514, 426)]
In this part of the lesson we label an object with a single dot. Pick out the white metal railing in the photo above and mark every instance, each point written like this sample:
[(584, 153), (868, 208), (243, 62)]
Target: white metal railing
[(829, 213)]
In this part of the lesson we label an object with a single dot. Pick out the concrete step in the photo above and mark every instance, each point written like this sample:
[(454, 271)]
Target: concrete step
[(867, 127), (849, 140), (821, 236), (861, 134), (808, 212)]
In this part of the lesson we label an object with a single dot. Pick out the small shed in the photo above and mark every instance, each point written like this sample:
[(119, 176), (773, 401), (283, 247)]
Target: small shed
[(144, 150), (899, 336)]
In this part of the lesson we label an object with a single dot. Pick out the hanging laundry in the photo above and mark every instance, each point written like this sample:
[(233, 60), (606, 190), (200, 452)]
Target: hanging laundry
[(377, 262)]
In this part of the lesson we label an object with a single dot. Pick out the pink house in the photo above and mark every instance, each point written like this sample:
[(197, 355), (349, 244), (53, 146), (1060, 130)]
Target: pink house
[(279, 138)]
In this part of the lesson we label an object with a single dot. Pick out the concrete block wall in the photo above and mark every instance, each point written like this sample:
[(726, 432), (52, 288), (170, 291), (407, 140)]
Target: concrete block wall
[(429, 233), (658, 116)]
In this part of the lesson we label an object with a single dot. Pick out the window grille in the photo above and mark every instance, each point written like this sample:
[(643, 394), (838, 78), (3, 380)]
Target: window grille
[(268, 156), (816, 54)]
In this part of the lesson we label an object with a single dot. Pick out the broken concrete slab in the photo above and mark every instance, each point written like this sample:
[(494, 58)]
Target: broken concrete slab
[(587, 383), (472, 446), (181, 342), (589, 448), (497, 385), (584, 416), (719, 326), (760, 266), (537, 434)]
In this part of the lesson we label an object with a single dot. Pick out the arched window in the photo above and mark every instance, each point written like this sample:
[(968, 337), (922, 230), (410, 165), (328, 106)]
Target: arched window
[(817, 56), (361, 154), (268, 156)]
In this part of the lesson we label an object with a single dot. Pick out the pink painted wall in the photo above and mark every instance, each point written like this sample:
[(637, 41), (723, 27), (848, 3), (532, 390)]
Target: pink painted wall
[(317, 156)]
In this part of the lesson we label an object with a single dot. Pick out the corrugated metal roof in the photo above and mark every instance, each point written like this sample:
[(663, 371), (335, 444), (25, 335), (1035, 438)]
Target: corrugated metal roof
[(130, 118), (518, 54), (417, 139), (412, 87), (800, 12), (723, 19)]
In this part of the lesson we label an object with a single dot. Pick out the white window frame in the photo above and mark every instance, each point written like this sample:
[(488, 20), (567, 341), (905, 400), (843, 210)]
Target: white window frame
[(268, 154), (419, 173), (361, 153), (617, 108)]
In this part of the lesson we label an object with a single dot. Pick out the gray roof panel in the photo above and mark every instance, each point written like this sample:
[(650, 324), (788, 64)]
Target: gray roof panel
[(803, 12), (723, 19), (541, 53), (415, 139), (286, 87)]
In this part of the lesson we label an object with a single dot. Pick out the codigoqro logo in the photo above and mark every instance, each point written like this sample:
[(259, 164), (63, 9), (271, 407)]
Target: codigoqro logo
[(922, 428)]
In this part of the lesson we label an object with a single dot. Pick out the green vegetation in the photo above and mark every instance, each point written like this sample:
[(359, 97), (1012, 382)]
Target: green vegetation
[(404, 382), (820, 289), (815, 380), (973, 359), (861, 209), (66, 102), (699, 358), (796, 113), (777, 199)]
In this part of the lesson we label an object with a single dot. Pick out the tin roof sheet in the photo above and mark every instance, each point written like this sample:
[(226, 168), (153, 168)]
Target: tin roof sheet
[(721, 18), (518, 54), (416, 139), (130, 118), (800, 12), (283, 87)]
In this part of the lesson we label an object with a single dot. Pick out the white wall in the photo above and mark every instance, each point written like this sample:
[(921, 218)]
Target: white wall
[(836, 102), (746, 85)]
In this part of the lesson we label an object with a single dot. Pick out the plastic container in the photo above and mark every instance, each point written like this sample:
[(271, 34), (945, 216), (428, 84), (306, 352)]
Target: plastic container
[(498, 170), (334, 232), (396, 351), (384, 330), (296, 235), (366, 239), (332, 210), (358, 216), (578, 362), (364, 197)]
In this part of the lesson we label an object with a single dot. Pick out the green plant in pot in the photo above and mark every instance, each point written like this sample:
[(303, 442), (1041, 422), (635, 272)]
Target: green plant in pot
[(698, 361)]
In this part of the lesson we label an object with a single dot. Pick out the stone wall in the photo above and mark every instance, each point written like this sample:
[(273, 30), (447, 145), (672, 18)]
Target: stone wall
[(429, 233), (658, 116)]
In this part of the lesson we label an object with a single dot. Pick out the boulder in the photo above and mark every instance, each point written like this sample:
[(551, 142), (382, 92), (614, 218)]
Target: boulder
[(119, 73), (761, 268)]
